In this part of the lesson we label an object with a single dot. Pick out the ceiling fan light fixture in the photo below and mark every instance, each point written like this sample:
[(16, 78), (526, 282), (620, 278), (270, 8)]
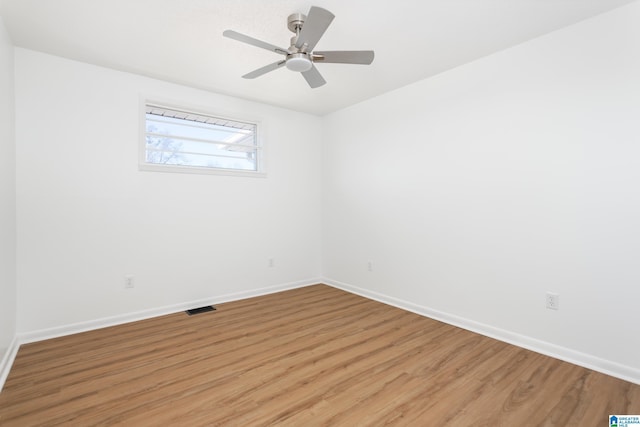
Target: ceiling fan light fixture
[(299, 62)]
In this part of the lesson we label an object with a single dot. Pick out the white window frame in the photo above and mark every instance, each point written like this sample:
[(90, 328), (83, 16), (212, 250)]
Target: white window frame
[(143, 165)]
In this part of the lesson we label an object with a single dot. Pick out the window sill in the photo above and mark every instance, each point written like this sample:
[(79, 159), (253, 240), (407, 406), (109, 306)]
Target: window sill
[(200, 170)]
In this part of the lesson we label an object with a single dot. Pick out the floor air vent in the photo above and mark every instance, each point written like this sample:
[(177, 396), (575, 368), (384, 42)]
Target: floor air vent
[(200, 310)]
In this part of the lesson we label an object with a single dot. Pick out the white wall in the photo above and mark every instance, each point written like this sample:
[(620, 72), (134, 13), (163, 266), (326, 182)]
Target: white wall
[(7, 196), (476, 191), (88, 217)]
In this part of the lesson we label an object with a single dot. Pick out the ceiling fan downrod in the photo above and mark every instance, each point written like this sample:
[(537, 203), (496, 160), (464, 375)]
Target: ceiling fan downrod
[(297, 59)]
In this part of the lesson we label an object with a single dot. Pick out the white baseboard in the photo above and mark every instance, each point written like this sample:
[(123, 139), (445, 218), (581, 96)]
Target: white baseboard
[(585, 360), (74, 328), (7, 360)]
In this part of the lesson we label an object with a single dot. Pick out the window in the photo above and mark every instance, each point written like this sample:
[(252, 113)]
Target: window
[(185, 141)]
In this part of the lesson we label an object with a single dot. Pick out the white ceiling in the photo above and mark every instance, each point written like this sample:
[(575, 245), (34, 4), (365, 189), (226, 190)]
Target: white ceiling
[(181, 40)]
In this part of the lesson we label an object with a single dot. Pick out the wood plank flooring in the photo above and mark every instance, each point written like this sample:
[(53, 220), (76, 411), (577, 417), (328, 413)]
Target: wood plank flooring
[(310, 356)]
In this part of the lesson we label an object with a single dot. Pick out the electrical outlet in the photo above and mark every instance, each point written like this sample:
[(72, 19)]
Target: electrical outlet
[(553, 301), (369, 265), (272, 263), (128, 282)]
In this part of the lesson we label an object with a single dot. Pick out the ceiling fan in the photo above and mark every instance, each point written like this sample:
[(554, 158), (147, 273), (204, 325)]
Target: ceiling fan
[(300, 56)]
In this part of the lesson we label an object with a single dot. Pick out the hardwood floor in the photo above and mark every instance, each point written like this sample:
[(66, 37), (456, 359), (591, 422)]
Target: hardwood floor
[(310, 356)]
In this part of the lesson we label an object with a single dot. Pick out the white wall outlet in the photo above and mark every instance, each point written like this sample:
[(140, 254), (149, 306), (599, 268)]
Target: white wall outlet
[(369, 266), (128, 281), (271, 262), (553, 301)]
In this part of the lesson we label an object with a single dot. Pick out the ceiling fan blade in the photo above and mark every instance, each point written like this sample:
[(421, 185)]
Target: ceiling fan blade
[(254, 42), (344, 56), (264, 70), (313, 77), (314, 27)]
